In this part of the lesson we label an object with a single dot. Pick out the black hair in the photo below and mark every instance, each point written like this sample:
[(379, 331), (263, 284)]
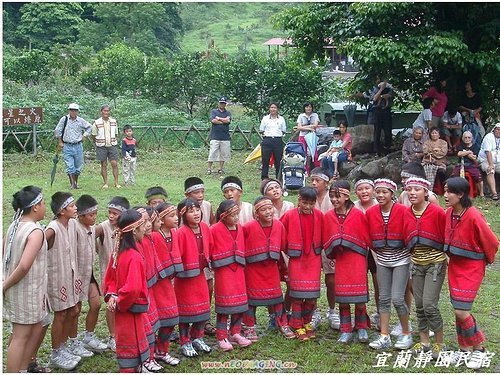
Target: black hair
[(56, 201), (231, 179), (120, 201), (127, 127), (163, 206), (223, 207), (275, 103), (307, 104), (452, 109), (432, 129), (459, 185), (24, 197), (415, 168), (437, 83), (260, 198), (308, 193), (188, 203), (322, 170), (342, 122), (472, 85), (155, 190), (336, 132), (191, 181), (427, 102), (85, 202), (267, 180), (342, 184), (104, 106), (127, 239)]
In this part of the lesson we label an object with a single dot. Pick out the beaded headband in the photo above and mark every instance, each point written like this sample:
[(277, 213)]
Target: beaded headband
[(340, 190), (167, 211), (262, 203), (232, 210), (156, 196), (363, 181), (417, 181), (323, 176), (269, 185), (66, 203), (194, 188), (118, 234), (385, 183), (87, 210), (117, 207), (231, 185)]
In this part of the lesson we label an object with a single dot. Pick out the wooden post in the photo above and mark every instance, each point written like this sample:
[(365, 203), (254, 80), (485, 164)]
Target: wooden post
[(34, 139)]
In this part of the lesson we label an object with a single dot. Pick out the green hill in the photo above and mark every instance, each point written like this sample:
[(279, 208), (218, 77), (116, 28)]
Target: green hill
[(231, 26)]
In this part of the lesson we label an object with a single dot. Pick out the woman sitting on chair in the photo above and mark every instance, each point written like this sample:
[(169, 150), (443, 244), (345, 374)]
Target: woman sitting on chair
[(435, 151), (467, 152)]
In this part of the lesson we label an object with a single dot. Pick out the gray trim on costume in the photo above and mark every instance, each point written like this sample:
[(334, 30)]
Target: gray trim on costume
[(189, 273), (351, 299), (170, 322), (133, 362), (166, 272), (393, 244), (466, 253), (194, 318), (304, 295), (424, 242), (461, 305), (136, 308), (152, 281), (228, 310), (263, 256), (265, 302), (228, 260)]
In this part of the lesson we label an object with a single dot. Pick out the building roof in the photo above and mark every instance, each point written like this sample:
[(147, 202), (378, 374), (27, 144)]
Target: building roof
[(278, 42)]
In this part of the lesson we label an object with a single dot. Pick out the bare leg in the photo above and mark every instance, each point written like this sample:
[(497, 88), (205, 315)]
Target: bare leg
[(114, 167), (73, 320), (490, 178), (94, 307), (57, 331), (110, 320), (330, 289), (19, 350), (104, 171)]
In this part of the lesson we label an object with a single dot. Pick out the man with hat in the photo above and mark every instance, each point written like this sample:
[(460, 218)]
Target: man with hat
[(489, 158), (220, 140), (69, 132)]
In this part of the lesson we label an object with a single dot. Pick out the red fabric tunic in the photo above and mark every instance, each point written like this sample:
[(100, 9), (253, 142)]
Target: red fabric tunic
[(169, 259), (191, 288), (147, 249), (262, 253), (304, 249), (163, 290), (348, 242), (428, 230), (382, 236), (470, 244), (228, 261), (132, 347)]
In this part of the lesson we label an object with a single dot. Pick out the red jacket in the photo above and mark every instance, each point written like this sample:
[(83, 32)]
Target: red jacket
[(428, 230), (169, 262), (471, 238), (189, 250), (390, 235), (351, 234), (131, 285), (258, 247), (295, 239), (226, 250)]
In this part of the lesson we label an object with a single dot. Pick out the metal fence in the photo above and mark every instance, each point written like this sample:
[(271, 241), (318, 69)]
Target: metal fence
[(149, 137)]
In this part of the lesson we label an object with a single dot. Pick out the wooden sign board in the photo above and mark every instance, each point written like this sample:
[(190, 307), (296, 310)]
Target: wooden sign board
[(22, 116)]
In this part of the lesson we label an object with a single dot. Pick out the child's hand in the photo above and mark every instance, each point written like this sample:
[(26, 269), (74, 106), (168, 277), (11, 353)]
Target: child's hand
[(111, 304)]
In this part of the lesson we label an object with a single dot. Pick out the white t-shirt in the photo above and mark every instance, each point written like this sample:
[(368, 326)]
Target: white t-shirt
[(273, 127), (455, 120), (492, 144), (303, 119)]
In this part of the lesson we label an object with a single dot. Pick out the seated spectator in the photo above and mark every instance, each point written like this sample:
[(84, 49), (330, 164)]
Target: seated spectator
[(452, 128), (329, 157), (467, 151), (346, 143), (413, 147), (424, 119), (435, 151), (489, 158)]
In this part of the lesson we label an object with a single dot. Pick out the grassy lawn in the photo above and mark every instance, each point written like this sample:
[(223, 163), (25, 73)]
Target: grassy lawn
[(169, 169)]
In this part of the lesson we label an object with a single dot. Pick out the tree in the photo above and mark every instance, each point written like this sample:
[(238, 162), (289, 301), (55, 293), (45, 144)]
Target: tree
[(153, 28), (27, 67), (407, 41), (115, 71), (43, 24)]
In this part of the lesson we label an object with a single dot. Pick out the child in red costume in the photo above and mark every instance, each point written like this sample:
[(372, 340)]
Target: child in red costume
[(166, 244), (470, 244), (190, 285), (127, 293), (346, 238), (228, 260), (303, 226), (265, 239)]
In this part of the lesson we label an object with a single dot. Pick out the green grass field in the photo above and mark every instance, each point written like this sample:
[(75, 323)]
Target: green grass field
[(231, 26), (169, 168)]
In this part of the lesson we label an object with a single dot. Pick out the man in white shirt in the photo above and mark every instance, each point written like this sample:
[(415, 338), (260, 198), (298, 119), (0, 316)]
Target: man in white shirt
[(489, 158)]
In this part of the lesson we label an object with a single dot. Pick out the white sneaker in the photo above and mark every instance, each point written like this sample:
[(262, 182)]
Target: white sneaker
[(459, 358), (398, 330), (75, 347), (476, 360), (404, 342), (316, 318), (58, 360), (112, 344), (333, 319), (381, 343), (151, 365), (431, 333), (91, 342)]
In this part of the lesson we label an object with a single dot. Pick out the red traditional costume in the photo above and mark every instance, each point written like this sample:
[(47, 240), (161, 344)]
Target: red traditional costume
[(228, 260), (390, 235), (190, 285), (428, 230), (263, 248), (346, 239), (471, 245), (304, 245), (129, 277)]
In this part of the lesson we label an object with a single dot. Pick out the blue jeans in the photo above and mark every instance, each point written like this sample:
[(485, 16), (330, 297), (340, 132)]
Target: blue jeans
[(327, 162), (73, 157)]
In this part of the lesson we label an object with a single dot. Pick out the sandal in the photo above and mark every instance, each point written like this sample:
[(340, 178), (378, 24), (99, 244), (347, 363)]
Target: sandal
[(209, 172), (494, 197), (34, 366), (220, 171)]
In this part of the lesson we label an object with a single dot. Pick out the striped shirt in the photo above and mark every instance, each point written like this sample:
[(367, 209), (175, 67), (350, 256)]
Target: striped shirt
[(390, 257), (74, 131), (425, 255)]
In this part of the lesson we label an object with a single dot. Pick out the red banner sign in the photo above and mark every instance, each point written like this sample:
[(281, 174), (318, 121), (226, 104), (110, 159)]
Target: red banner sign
[(22, 116)]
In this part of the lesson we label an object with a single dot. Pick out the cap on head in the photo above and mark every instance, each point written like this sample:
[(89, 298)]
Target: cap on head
[(74, 106), (223, 99)]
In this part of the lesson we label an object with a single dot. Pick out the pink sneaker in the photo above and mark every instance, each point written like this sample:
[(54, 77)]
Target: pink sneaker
[(250, 334), (240, 340), (225, 345)]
